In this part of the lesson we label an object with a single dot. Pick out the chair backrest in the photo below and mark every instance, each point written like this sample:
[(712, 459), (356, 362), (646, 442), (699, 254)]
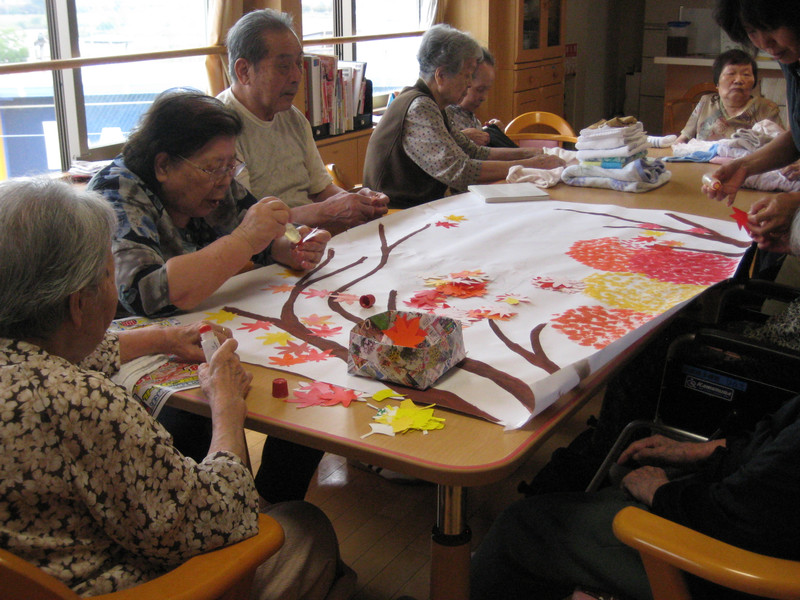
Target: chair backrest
[(21, 579), (226, 574), (535, 129), (668, 549), (677, 111)]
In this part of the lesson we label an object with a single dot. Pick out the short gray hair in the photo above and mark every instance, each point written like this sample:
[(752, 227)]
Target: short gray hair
[(443, 46), (54, 240), (246, 37)]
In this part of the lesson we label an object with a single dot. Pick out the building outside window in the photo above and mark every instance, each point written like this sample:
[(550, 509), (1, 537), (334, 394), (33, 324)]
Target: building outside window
[(96, 106), (392, 63), (47, 118)]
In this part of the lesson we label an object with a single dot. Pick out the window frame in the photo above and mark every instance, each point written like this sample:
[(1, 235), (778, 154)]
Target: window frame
[(66, 67)]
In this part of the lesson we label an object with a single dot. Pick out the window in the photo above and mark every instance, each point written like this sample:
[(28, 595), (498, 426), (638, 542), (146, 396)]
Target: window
[(95, 107), (391, 63)]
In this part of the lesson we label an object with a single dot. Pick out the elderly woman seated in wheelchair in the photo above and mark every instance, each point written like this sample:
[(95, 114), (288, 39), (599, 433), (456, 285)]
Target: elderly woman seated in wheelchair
[(92, 490)]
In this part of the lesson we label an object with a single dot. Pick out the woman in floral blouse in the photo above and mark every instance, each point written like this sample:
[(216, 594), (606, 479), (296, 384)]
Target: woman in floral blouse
[(91, 488)]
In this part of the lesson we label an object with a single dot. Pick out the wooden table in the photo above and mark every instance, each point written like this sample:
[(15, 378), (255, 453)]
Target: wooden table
[(469, 451)]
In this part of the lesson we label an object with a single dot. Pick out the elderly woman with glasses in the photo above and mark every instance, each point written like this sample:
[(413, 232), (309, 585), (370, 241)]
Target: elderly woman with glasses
[(185, 225)]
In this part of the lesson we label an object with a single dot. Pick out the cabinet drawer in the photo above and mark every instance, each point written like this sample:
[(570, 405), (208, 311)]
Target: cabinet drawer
[(549, 98), (537, 76)]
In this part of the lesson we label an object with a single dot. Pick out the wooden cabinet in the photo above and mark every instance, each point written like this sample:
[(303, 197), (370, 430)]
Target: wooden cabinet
[(526, 38)]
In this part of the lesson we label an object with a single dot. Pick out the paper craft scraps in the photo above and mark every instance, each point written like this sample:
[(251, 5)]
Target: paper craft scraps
[(741, 219), (382, 395), (318, 393), (409, 416)]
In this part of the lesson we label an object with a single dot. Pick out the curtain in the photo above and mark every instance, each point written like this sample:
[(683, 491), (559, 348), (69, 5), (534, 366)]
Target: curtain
[(432, 12), (222, 15)]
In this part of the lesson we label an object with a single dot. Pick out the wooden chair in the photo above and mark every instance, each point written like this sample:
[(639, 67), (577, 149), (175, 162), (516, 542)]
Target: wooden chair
[(339, 179), (539, 120), (668, 549), (676, 112), (224, 574)]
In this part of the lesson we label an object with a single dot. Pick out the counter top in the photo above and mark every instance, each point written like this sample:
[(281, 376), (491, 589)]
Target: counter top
[(707, 61)]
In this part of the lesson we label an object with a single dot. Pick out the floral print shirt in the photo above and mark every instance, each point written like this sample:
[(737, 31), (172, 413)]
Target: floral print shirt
[(146, 237), (91, 488), (710, 121), (461, 118), (446, 155)]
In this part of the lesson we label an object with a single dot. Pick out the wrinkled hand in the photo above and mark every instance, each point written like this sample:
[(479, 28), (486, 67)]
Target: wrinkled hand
[(497, 122), (731, 176), (666, 452), (643, 483), (306, 254), (792, 172), (263, 222), (225, 384), (770, 221), (184, 341), (349, 209), (478, 136), (543, 161)]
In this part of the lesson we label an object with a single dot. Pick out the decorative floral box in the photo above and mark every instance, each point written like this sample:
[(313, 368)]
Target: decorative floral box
[(412, 349)]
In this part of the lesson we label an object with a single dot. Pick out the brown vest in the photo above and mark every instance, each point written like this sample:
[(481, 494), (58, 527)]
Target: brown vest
[(387, 168)]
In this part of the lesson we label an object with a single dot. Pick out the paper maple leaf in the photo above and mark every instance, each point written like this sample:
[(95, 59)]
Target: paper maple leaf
[(286, 360), (316, 293), (741, 219), (278, 289), (293, 348), (255, 326), (346, 298), (406, 332), (324, 331), (446, 224), (456, 218), (220, 316), (279, 337), (315, 320), (316, 355), (322, 394), (461, 290)]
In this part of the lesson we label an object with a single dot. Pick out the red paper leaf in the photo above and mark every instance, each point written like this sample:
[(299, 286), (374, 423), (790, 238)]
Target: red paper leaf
[(406, 332), (741, 219)]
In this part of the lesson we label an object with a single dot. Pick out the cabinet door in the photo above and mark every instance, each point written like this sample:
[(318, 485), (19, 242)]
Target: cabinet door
[(540, 29)]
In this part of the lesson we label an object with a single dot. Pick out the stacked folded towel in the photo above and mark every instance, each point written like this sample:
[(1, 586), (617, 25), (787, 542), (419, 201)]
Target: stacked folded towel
[(612, 144), (612, 155)]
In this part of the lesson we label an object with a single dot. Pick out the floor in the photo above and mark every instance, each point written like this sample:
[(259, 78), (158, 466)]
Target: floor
[(384, 527)]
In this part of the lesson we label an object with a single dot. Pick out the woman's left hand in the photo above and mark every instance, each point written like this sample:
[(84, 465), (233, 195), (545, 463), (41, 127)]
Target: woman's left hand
[(184, 341), (305, 254), (642, 483), (770, 221)]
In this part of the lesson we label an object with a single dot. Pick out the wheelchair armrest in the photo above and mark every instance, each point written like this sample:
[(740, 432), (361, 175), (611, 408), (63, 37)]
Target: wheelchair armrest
[(733, 342), (744, 301)]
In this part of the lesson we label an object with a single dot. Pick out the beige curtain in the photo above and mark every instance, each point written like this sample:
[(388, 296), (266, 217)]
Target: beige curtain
[(432, 12), (222, 15)]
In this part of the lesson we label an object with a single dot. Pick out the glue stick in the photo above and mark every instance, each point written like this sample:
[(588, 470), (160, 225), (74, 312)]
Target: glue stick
[(208, 341), (291, 233), (711, 182)]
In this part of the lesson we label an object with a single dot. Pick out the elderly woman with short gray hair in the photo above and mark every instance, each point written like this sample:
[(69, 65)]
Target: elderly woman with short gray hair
[(414, 156), (92, 489)]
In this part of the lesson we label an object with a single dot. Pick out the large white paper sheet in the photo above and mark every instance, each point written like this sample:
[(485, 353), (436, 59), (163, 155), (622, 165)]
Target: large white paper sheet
[(567, 288)]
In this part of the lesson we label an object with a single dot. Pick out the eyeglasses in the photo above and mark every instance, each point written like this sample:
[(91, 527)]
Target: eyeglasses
[(221, 173)]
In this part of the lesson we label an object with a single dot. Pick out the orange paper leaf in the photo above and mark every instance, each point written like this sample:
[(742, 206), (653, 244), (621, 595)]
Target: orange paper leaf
[(406, 332)]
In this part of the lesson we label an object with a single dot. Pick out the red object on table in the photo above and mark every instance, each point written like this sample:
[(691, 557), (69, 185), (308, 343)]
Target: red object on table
[(280, 389)]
